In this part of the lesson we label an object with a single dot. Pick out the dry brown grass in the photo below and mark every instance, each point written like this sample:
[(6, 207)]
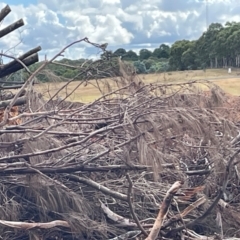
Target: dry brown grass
[(90, 92)]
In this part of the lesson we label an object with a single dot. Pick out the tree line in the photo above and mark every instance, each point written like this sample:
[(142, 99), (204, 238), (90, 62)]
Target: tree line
[(218, 47)]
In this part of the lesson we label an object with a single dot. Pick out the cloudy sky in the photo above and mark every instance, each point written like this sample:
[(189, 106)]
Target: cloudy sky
[(131, 24)]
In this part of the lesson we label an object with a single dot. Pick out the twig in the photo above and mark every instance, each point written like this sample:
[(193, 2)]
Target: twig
[(98, 187), (127, 235), (214, 203), (185, 212), (28, 226), (13, 168), (124, 222), (129, 198), (30, 79)]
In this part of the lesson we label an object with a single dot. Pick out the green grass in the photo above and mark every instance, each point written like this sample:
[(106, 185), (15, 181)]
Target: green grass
[(90, 93)]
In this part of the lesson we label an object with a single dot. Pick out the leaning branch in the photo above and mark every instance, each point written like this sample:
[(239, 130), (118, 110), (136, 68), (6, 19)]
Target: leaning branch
[(17, 66), (4, 12), (163, 210), (11, 28), (21, 58), (129, 196)]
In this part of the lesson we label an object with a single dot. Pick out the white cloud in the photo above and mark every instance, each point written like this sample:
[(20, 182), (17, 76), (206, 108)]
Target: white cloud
[(112, 2)]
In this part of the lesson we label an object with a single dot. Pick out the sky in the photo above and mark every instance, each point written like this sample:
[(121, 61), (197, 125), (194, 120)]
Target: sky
[(129, 24)]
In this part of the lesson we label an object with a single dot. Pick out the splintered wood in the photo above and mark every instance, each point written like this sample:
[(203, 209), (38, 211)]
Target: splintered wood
[(163, 210), (12, 113)]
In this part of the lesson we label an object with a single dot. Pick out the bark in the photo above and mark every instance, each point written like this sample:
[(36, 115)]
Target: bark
[(8, 169), (27, 225), (10, 87), (11, 28), (124, 222), (22, 57), (27, 61), (163, 210), (20, 101), (98, 187), (4, 12)]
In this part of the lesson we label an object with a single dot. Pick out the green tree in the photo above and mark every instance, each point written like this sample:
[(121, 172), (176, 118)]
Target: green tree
[(162, 52), (140, 67), (177, 50), (148, 63), (145, 54), (130, 56), (120, 52), (189, 57)]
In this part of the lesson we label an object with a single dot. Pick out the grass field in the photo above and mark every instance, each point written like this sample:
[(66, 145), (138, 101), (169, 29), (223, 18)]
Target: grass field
[(229, 82)]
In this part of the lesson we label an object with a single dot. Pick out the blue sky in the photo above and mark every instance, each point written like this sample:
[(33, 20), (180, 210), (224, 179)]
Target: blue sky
[(24, 2), (134, 24)]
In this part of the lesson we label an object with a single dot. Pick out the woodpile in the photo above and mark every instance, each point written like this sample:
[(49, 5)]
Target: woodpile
[(143, 161)]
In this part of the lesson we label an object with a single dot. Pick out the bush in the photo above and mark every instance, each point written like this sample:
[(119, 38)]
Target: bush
[(158, 67), (148, 63), (140, 67)]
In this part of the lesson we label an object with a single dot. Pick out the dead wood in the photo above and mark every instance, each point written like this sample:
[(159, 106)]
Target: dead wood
[(124, 222), (131, 206), (21, 58), (11, 28), (59, 159), (17, 66), (20, 101), (98, 187), (163, 210), (8, 169), (4, 12), (28, 226), (127, 235)]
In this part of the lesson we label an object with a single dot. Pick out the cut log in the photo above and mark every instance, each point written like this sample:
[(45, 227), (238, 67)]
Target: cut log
[(10, 87), (22, 57), (11, 28), (27, 61), (20, 101), (4, 12), (11, 82)]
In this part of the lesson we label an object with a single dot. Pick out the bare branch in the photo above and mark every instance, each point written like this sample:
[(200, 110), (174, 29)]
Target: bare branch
[(98, 187), (28, 226), (163, 210), (131, 206)]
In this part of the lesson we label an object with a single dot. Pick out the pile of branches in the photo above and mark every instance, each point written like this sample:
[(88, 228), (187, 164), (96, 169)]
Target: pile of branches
[(101, 170), (143, 161)]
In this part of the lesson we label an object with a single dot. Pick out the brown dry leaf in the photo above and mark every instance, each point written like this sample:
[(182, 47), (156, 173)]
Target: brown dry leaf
[(12, 113), (190, 192)]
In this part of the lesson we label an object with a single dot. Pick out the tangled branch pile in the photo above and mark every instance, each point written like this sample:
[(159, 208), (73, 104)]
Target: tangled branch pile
[(100, 170)]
